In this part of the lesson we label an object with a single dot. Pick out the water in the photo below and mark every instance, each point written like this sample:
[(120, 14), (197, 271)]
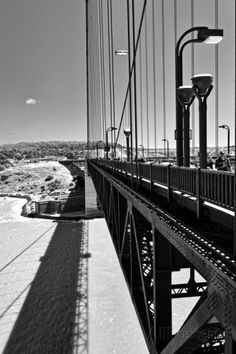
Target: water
[(113, 324)]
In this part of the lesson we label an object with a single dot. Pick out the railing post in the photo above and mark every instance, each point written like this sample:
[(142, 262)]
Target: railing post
[(168, 184), (198, 191)]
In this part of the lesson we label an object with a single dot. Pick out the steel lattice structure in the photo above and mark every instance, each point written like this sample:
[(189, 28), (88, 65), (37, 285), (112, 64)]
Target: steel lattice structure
[(150, 245)]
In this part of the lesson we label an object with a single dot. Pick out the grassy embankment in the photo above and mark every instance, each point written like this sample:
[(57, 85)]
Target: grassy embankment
[(40, 181)]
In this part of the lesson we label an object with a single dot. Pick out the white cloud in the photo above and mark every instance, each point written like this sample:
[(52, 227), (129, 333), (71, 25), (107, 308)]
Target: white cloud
[(31, 101)]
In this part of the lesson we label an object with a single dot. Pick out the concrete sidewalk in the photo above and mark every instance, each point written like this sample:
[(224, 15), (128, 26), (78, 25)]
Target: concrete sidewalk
[(38, 286)]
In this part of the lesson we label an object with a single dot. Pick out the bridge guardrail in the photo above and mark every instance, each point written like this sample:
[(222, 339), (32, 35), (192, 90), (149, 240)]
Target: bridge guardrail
[(160, 174), (183, 179), (216, 187)]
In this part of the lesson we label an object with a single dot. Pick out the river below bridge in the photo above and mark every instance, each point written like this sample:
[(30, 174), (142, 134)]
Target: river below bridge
[(112, 323)]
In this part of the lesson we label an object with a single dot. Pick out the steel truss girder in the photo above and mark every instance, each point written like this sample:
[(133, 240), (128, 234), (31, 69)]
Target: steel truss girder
[(221, 296), (186, 290)]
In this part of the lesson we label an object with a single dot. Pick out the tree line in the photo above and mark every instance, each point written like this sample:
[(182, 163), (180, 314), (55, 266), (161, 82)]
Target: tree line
[(35, 151)]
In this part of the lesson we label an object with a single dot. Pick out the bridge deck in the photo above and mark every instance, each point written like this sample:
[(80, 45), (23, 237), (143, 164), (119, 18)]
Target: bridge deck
[(145, 215)]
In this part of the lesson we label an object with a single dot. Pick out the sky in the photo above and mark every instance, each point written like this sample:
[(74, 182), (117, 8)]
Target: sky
[(42, 70), (43, 67)]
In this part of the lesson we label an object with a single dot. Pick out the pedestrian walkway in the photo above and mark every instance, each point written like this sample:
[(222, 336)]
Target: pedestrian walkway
[(39, 287)]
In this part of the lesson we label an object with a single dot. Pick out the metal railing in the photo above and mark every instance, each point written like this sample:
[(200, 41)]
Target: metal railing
[(216, 187)]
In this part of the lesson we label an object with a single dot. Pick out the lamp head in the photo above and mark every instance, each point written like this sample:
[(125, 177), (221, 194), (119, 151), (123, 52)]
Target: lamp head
[(121, 52), (210, 36), (202, 83), (127, 131), (185, 93)]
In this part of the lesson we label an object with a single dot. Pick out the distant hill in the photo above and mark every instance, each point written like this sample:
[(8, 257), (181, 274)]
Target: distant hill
[(34, 151)]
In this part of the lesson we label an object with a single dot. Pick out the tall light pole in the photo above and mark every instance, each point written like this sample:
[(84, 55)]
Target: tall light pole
[(204, 35), (185, 95), (107, 146), (168, 149), (224, 126), (127, 132), (202, 86)]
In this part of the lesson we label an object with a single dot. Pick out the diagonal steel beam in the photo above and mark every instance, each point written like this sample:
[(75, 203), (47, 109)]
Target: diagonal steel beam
[(124, 235), (195, 332)]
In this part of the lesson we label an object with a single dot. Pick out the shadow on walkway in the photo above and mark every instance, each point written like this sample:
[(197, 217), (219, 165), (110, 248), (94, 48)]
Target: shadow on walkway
[(51, 314)]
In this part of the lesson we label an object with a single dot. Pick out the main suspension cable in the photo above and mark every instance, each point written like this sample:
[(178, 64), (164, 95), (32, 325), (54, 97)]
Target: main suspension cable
[(132, 67)]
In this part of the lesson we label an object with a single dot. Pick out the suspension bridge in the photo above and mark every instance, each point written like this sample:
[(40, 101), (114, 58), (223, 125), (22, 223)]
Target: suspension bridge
[(164, 218)]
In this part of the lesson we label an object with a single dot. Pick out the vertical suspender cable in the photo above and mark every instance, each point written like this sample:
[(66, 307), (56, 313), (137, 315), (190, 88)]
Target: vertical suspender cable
[(235, 131), (109, 64), (135, 86), (175, 21), (112, 77), (154, 75), (100, 56), (87, 71), (96, 72), (163, 76), (92, 73), (101, 117), (192, 70), (141, 88), (130, 86), (147, 92), (175, 36), (103, 81), (216, 84)]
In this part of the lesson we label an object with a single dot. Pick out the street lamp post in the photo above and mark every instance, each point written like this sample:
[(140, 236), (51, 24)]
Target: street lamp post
[(224, 126), (107, 146), (168, 149), (202, 86), (204, 35), (127, 132), (185, 95)]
